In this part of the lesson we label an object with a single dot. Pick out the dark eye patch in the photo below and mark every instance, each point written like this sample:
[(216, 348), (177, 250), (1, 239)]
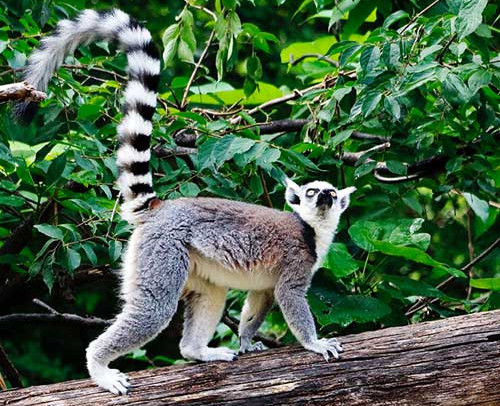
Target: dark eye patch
[(311, 192)]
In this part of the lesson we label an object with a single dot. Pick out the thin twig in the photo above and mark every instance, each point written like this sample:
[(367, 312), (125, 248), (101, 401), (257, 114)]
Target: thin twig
[(195, 70), (9, 369), (266, 191), (414, 18), (53, 315), (22, 318), (470, 249), (51, 310), (328, 82), (233, 325), (445, 48), (321, 57), (421, 303)]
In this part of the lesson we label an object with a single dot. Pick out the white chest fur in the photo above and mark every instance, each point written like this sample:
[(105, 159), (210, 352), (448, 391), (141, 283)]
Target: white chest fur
[(323, 240)]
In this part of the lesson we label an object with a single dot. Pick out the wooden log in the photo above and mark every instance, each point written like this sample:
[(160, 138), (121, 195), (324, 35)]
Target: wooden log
[(447, 362), (20, 91)]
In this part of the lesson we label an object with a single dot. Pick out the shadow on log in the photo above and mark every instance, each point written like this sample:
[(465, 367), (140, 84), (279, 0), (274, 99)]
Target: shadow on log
[(447, 362)]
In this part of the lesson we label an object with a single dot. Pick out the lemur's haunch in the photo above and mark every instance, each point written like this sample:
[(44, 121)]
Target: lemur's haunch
[(193, 248)]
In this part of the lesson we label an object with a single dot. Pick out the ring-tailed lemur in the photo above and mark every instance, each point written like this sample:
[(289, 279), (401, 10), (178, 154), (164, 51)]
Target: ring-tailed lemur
[(194, 248)]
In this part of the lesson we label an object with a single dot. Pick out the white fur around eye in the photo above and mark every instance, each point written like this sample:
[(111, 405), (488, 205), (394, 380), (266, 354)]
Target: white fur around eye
[(311, 192)]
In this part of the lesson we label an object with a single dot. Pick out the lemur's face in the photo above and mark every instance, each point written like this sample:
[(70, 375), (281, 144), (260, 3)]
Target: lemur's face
[(317, 200)]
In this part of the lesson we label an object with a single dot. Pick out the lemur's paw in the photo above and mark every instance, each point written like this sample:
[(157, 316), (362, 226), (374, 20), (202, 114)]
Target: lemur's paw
[(325, 347), (210, 354), (257, 346), (112, 380)]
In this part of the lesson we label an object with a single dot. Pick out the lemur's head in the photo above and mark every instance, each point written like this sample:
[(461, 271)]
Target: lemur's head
[(317, 201)]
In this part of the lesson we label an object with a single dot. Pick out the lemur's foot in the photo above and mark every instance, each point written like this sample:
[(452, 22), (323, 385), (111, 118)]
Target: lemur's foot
[(325, 347), (209, 354), (112, 380), (257, 346)]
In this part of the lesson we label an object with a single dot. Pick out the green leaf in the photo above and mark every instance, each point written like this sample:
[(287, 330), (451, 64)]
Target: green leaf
[(90, 112), (410, 287), (50, 231), (339, 261), (413, 254), (392, 107), (254, 67), (478, 206), (89, 251), (478, 80), (339, 138), (340, 9), (190, 189), (455, 90), (398, 232), (370, 103), (55, 170), (363, 169), (331, 308), (486, 283), (394, 17), (369, 59), (214, 152), (169, 52), (470, 16), (184, 52), (13, 201), (397, 167), (233, 23), (48, 272), (267, 157), (73, 259), (115, 250)]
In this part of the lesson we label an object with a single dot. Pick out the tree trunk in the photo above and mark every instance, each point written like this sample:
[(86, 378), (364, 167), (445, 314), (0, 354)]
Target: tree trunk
[(20, 91), (447, 362)]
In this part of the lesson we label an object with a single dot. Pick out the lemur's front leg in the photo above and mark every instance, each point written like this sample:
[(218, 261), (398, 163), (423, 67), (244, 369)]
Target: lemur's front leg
[(257, 304), (290, 293)]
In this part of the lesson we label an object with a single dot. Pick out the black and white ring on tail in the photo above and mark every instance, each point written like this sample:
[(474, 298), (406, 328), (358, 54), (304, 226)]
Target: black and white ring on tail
[(193, 249)]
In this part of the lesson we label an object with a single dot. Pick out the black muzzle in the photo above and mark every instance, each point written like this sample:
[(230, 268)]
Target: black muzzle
[(325, 199)]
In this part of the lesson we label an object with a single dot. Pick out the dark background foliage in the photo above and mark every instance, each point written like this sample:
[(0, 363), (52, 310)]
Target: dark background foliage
[(399, 98)]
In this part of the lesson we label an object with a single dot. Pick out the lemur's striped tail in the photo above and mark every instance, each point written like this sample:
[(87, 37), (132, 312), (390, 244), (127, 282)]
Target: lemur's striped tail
[(135, 180)]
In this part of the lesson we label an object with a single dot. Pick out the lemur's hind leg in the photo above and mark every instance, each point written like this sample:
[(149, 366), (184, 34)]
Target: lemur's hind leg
[(204, 305), (151, 300), (257, 304)]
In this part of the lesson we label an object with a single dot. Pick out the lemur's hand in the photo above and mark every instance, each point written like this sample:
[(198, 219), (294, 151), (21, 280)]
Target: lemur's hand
[(325, 347)]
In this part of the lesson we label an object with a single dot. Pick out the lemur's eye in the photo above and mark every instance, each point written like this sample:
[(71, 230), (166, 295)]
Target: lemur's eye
[(333, 194), (311, 192)]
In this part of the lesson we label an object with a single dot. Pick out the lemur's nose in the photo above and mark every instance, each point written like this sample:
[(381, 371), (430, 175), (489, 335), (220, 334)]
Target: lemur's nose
[(324, 198)]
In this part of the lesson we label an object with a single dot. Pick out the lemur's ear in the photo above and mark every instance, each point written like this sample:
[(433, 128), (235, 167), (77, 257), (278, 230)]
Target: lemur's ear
[(292, 192), (344, 197)]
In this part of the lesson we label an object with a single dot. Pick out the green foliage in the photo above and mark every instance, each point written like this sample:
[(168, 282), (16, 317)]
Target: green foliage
[(428, 202)]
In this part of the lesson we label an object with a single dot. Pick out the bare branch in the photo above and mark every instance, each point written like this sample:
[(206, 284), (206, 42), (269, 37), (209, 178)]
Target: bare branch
[(321, 57), (327, 83), (365, 136), (195, 70), (421, 303), (59, 317), (45, 306), (20, 91), (187, 138), (163, 152), (9, 369), (351, 158)]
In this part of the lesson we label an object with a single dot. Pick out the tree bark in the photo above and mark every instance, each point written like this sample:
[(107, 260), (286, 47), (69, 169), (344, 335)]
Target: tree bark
[(451, 362), (20, 91)]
